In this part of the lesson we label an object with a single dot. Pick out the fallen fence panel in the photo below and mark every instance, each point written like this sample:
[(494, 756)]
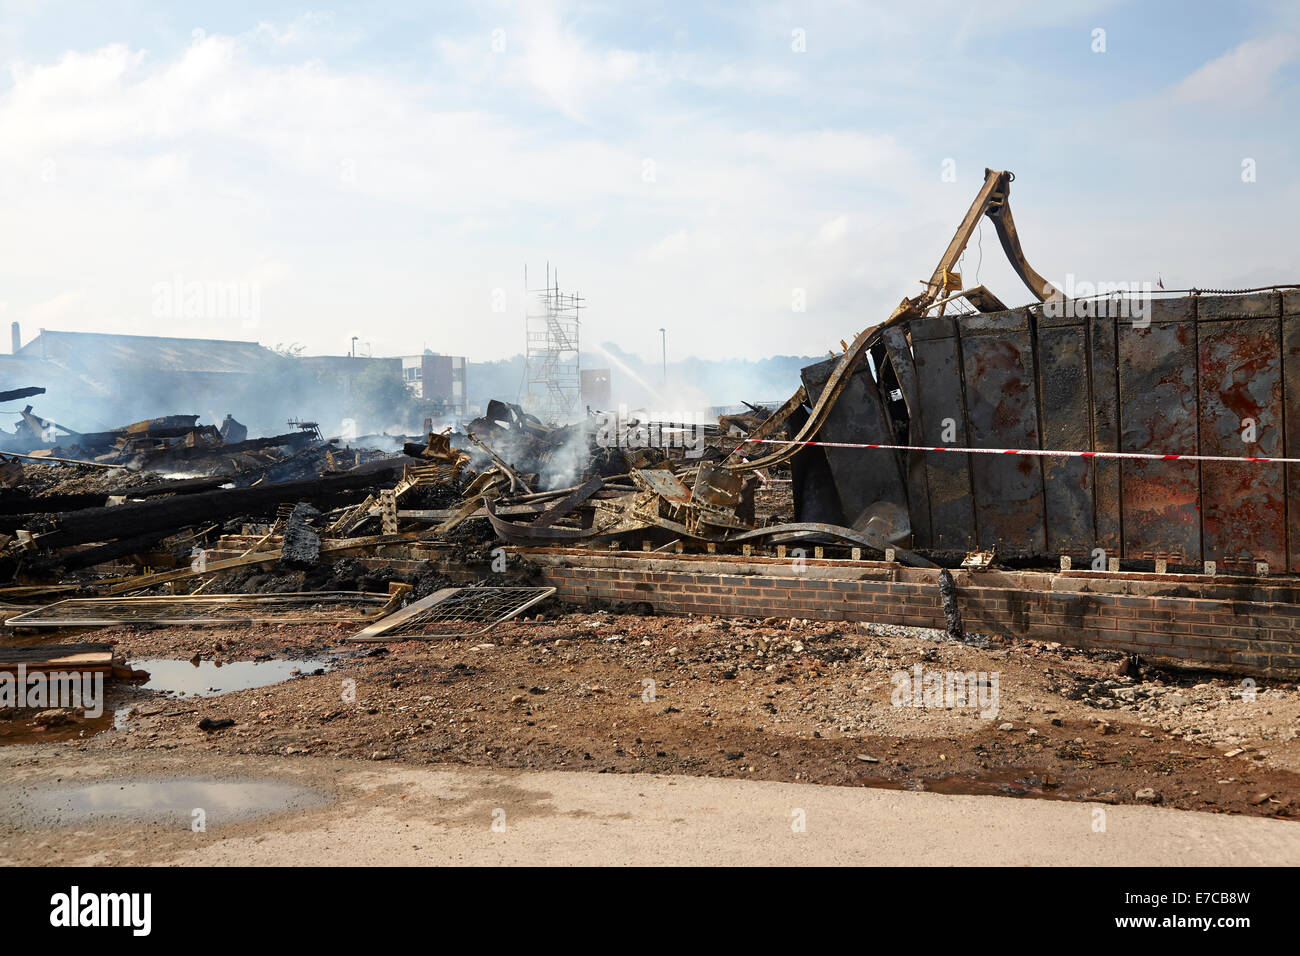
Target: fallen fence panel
[(287, 608)]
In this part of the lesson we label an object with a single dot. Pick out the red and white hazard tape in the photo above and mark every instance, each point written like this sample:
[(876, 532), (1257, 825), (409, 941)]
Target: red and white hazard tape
[(1032, 452)]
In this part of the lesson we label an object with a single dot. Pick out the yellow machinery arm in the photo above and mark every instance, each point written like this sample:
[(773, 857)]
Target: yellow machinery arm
[(994, 201), (991, 201)]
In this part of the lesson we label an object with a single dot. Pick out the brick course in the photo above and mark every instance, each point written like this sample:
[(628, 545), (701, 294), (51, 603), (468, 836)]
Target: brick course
[(1178, 617)]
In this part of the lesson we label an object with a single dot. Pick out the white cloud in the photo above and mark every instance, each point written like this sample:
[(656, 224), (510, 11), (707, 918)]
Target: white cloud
[(62, 308), (676, 244), (1242, 75), (393, 198), (567, 73), (219, 166), (833, 230)]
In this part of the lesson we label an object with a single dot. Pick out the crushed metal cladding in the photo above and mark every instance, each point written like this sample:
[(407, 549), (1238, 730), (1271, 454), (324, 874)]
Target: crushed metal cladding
[(1115, 473)]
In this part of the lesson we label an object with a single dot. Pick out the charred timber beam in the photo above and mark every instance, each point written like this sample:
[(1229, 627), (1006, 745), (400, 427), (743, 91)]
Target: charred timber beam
[(183, 486), (17, 393), (186, 453), (169, 514), (563, 507), (17, 509), (89, 557)]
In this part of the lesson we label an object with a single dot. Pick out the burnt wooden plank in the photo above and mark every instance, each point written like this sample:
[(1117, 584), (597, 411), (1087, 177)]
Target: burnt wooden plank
[(165, 514)]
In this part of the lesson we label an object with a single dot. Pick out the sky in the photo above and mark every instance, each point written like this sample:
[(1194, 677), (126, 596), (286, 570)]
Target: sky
[(756, 179)]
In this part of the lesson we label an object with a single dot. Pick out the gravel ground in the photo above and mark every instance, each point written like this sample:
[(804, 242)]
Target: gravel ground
[(777, 700)]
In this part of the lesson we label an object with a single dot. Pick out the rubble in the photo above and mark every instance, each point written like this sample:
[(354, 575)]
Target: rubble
[(455, 557)]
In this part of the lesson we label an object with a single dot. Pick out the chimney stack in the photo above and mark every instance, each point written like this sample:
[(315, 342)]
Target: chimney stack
[(17, 337)]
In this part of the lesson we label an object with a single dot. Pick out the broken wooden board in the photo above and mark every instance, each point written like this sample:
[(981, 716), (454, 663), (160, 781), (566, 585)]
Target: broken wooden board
[(35, 658), (570, 501), (261, 557)]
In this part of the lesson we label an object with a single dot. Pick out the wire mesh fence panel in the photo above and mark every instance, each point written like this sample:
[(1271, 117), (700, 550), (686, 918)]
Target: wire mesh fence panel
[(287, 608), (455, 612)]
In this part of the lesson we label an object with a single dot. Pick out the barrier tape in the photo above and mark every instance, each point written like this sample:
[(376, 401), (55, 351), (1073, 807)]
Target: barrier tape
[(1032, 452)]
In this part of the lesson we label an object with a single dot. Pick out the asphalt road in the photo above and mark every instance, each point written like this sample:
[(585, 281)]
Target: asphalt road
[(384, 813)]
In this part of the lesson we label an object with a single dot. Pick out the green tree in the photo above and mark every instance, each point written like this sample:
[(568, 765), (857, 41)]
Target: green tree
[(382, 397)]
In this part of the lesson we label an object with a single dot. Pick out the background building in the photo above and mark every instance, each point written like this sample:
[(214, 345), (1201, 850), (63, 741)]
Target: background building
[(596, 389), (435, 377), (95, 380)]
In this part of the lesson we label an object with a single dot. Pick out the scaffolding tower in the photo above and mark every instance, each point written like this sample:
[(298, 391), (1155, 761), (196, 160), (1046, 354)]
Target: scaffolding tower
[(554, 379)]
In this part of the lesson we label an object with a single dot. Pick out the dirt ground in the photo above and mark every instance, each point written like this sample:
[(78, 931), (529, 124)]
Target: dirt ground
[(777, 700)]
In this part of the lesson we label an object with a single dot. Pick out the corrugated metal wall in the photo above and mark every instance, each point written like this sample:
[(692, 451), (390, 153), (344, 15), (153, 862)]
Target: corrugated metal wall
[(1212, 375)]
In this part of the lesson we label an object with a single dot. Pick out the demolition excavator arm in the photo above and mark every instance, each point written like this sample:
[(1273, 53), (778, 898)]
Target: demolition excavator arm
[(993, 200)]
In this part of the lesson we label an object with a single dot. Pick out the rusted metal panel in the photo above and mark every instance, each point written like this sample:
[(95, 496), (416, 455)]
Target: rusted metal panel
[(1291, 416), (1258, 305), (1102, 354), (1193, 376), (815, 496), (1002, 412), (937, 352), (1157, 387), (1242, 506), (918, 489), (1064, 408), (862, 478)]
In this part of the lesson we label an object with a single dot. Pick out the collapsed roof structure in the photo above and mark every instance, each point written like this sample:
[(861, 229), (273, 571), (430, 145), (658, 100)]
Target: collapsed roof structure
[(877, 436), (1122, 373), (1137, 432)]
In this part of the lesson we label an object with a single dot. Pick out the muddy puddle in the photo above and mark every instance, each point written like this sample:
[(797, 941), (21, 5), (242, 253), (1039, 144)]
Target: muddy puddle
[(24, 728), (209, 678), (167, 800), (997, 783), (175, 679)]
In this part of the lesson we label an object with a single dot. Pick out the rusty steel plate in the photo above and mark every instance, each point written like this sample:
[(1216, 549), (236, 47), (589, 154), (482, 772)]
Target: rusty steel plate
[(1001, 412), (1064, 407), (1243, 506), (1157, 384), (937, 353)]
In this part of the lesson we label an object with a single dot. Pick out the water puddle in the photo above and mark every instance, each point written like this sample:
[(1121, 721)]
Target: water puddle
[(998, 783), (175, 679), (171, 800), (23, 729), (209, 678)]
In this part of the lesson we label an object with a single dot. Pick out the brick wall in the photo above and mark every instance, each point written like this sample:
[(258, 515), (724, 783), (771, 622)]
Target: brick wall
[(1246, 625)]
